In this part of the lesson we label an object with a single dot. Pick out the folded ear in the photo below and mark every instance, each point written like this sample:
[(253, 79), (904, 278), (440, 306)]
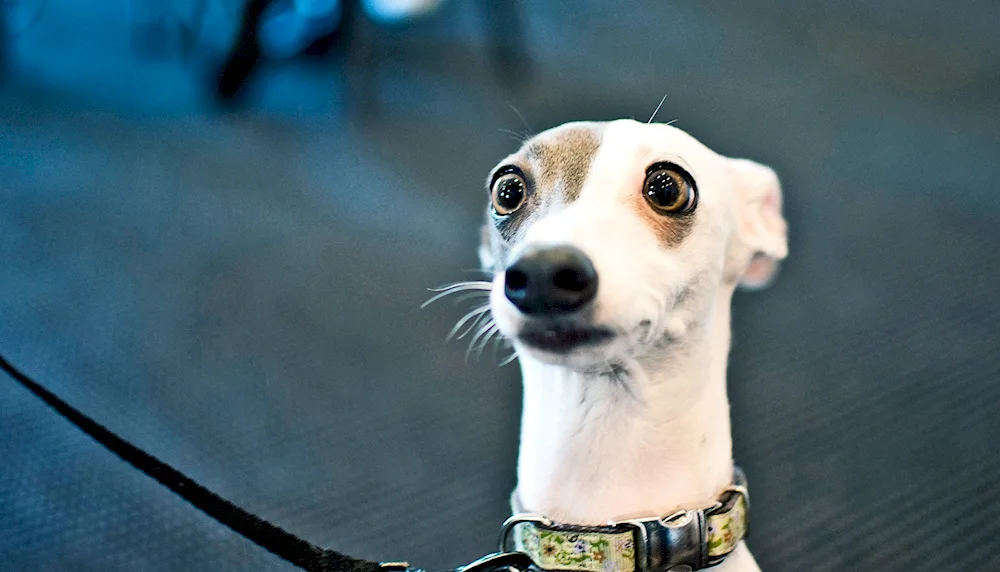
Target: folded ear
[(761, 229)]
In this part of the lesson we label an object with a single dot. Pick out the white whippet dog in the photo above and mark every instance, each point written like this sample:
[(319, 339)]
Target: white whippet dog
[(616, 248)]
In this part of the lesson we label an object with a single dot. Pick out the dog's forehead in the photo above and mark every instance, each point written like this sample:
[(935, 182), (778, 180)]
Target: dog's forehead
[(561, 159), (632, 144)]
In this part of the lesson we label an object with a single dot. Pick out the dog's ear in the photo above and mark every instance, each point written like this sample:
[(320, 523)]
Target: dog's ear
[(761, 228)]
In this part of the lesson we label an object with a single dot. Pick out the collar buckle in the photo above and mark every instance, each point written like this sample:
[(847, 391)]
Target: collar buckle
[(677, 542)]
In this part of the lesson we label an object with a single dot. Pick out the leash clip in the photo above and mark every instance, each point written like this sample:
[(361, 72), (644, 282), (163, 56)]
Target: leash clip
[(499, 560)]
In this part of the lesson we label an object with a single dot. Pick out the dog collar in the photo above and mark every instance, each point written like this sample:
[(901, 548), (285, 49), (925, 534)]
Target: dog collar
[(684, 540)]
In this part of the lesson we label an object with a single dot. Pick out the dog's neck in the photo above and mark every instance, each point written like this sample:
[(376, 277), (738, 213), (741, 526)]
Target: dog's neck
[(643, 440)]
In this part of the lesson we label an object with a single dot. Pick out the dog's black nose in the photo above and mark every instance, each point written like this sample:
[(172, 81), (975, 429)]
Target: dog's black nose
[(551, 280)]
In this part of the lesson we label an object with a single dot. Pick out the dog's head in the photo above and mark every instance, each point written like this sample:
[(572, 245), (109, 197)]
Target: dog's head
[(607, 239)]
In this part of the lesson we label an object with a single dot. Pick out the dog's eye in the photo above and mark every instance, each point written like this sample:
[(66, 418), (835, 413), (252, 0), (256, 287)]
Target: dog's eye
[(508, 192), (669, 189)]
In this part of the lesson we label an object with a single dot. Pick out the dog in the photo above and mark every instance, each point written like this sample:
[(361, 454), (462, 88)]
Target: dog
[(615, 248)]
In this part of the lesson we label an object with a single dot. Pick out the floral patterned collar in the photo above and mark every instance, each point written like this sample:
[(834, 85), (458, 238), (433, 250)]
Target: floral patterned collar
[(684, 540)]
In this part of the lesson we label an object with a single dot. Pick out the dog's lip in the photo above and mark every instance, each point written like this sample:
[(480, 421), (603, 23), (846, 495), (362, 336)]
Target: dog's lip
[(562, 338)]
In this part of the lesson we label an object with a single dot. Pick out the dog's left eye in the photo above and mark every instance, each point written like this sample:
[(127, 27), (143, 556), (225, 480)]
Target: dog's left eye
[(669, 189), (508, 192)]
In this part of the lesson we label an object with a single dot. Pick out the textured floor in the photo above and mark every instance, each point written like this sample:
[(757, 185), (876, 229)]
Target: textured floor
[(239, 293)]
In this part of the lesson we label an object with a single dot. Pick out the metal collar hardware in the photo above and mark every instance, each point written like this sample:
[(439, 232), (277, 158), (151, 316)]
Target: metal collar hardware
[(680, 541)]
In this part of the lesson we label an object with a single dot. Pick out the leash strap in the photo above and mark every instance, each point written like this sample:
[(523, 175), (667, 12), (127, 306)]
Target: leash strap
[(273, 538)]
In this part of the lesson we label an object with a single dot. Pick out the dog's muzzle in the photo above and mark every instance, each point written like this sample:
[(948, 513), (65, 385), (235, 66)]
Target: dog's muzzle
[(550, 281)]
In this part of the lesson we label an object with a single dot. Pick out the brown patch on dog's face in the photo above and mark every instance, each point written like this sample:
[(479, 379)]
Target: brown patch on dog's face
[(555, 165), (670, 229), (561, 162)]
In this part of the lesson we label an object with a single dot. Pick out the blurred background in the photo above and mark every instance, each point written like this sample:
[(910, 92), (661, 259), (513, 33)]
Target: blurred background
[(228, 269)]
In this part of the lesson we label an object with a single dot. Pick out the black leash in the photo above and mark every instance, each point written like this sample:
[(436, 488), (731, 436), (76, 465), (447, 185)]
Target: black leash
[(271, 537)]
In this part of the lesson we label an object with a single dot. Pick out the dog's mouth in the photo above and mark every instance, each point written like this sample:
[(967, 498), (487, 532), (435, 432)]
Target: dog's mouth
[(556, 337)]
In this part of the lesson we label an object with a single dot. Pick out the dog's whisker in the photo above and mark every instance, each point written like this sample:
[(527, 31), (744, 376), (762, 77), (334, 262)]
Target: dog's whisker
[(477, 312), (523, 120), (476, 328), (510, 358), (657, 110), (486, 340), (472, 285), (519, 137), (435, 298), (490, 324), (475, 324), (464, 285), (486, 326), (471, 296), (494, 329), (497, 342)]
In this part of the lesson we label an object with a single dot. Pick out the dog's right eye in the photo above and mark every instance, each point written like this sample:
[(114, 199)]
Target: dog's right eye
[(508, 192), (669, 189)]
